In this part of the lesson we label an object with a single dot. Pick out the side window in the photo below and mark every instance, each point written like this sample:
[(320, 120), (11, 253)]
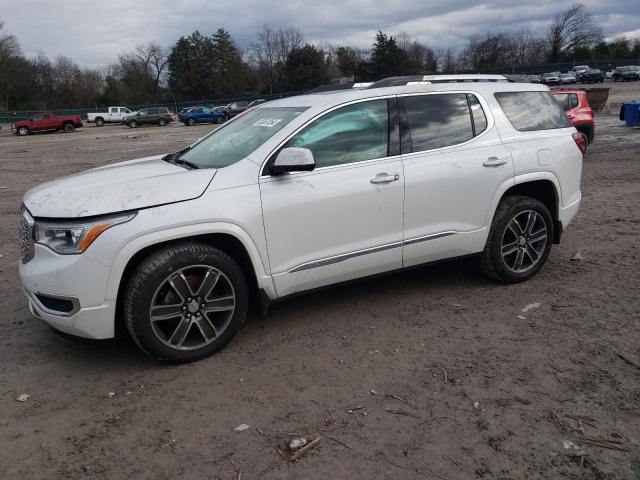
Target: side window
[(196, 110), (477, 113), (563, 99), (438, 120), (529, 111), (574, 100), (354, 133), (206, 110), (124, 110), (144, 112)]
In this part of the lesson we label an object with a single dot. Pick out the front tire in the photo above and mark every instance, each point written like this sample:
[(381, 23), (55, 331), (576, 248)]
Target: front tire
[(191, 122), (132, 124), (220, 120), (185, 302), (23, 131), (99, 122), (162, 122), (69, 128), (519, 240)]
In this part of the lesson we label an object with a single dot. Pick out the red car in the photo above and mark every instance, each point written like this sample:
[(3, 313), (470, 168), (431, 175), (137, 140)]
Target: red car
[(577, 108), (43, 122)]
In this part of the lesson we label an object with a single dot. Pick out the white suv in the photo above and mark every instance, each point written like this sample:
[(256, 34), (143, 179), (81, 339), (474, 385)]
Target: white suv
[(296, 194)]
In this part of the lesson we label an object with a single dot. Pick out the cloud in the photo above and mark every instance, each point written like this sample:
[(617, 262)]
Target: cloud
[(94, 33)]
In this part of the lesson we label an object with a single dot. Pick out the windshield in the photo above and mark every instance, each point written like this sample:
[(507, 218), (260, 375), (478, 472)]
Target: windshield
[(240, 137)]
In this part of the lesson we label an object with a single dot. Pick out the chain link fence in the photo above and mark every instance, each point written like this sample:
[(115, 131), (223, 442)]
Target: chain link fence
[(17, 115), (537, 69)]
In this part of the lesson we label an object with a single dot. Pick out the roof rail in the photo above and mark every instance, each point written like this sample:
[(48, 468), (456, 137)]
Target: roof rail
[(421, 79)]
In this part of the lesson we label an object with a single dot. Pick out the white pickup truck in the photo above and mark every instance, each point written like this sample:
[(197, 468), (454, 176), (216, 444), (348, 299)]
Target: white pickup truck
[(112, 115)]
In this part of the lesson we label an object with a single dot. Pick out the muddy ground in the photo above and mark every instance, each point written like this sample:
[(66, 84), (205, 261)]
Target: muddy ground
[(434, 373)]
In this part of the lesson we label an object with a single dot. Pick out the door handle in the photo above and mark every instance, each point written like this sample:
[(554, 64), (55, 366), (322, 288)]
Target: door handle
[(494, 162), (385, 178)]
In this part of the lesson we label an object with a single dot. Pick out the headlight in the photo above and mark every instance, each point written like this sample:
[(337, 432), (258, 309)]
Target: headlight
[(75, 236)]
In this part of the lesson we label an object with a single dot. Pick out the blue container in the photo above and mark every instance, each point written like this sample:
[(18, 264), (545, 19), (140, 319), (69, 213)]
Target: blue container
[(632, 113)]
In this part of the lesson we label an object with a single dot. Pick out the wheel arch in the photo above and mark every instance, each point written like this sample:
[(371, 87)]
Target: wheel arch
[(586, 129), (228, 242), (544, 189)]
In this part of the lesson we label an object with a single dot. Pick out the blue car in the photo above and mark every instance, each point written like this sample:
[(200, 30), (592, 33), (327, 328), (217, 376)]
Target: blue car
[(195, 115)]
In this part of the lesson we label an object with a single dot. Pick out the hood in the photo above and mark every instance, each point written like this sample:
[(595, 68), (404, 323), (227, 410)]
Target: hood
[(131, 185)]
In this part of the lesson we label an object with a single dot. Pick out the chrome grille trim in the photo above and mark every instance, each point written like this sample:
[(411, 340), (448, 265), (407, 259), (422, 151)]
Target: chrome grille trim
[(26, 241)]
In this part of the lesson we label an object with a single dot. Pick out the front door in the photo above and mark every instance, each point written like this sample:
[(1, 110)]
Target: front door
[(344, 219), (454, 166)]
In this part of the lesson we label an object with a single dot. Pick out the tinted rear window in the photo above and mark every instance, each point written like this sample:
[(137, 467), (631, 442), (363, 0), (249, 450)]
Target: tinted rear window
[(529, 111)]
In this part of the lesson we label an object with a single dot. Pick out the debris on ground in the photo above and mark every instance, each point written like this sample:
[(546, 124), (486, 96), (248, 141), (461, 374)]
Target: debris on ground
[(521, 317), (112, 394), (297, 443), (572, 449), (628, 360), (401, 412), (531, 306), (242, 427), (23, 397), (476, 405), (577, 257), (302, 451)]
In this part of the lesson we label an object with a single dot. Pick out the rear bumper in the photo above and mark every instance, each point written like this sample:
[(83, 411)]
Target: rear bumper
[(566, 213)]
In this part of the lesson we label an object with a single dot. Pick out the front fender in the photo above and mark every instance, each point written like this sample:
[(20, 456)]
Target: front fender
[(184, 232)]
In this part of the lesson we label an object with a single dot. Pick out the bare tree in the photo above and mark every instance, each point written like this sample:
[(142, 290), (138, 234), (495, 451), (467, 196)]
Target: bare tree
[(8, 44), (571, 28), (153, 59), (270, 52)]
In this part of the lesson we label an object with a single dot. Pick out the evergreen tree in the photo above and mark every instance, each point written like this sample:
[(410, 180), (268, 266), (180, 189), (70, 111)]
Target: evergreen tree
[(305, 68), (387, 58)]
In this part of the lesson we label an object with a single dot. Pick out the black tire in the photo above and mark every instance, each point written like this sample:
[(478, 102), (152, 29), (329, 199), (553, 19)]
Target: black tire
[(23, 131), (492, 262), (220, 120), (99, 122), (585, 139), (162, 122), (69, 128), (191, 122), (149, 276), (132, 124)]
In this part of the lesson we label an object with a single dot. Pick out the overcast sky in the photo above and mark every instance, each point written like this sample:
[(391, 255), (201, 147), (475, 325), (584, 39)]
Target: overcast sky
[(94, 32)]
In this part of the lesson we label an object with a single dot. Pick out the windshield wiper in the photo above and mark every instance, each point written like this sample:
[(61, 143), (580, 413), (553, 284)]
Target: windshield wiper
[(175, 159)]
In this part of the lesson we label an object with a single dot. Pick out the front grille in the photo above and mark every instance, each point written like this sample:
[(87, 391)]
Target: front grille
[(26, 236)]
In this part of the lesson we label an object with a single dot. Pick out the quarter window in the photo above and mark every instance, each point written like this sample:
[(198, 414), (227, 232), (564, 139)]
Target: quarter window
[(479, 118), (529, 111), (438, 120), (354, 133)]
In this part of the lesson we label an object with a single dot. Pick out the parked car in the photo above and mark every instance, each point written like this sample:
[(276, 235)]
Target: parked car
[(149, 116), (592, 76), (552, 78), (576, 105), (297, 194), (567, 79), (236, 108), (579, 70), (626, 74), (46, 122), (112, 115), (202, 115), (533, 78)]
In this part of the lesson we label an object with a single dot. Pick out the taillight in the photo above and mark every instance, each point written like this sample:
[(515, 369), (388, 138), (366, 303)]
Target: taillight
[(579, 139)]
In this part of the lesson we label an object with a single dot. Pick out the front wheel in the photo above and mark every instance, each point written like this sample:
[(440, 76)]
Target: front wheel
[(220, 120), (23, 131), (132, 124), (162, 122), (99, 122), (185, 302), (68, 127), (191, 122), (519, 240)]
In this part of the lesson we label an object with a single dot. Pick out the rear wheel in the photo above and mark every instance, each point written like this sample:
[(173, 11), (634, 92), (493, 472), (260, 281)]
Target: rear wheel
[(191, 122), (69, 127), (519, 240), (185, 302), (23, 131), (585, 139), (99, 122), (162, 122), (220, 120), (132, 123)]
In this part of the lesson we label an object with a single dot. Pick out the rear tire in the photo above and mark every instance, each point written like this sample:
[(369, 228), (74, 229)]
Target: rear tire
[(99, 122), (185, 302), (519, 241), (220, 120), (585, 139), (191, 122), (132, 124), (69, 128), (162, 122)]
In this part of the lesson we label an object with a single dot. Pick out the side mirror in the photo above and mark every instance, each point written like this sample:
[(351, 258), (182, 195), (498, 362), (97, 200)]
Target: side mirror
[(293, 159)]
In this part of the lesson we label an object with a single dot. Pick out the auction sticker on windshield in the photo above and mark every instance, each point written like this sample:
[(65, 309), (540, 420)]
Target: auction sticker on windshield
[(267, 122)]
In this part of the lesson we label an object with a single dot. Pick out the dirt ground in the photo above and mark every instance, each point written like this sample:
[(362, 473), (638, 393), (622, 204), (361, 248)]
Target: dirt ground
[(434, 373)]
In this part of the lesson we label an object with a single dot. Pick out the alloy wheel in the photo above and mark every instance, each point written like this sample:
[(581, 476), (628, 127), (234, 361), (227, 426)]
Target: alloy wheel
[(524, 241), (192, 307)]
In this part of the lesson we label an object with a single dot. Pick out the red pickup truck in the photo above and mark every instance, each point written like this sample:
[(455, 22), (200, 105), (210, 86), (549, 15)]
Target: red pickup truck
[(43, 122)]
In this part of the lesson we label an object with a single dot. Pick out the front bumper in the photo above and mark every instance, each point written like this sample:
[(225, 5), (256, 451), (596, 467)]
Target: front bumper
[(77, 278)]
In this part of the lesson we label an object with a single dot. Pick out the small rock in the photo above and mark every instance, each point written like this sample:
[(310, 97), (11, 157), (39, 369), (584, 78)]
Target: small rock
[(521, 317), (476, 405), (373, 392), (23, 397), (365, 413), (112, 394), (572, 449), (242, 427), (577, 257), (297, 443), (531, 306)]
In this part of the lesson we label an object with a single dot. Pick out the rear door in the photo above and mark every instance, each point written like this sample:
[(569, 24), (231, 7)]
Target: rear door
[(342, 220), (454, 163)]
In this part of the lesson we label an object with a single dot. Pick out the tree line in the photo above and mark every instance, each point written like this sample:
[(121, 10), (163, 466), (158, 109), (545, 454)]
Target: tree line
[(209, 66)]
